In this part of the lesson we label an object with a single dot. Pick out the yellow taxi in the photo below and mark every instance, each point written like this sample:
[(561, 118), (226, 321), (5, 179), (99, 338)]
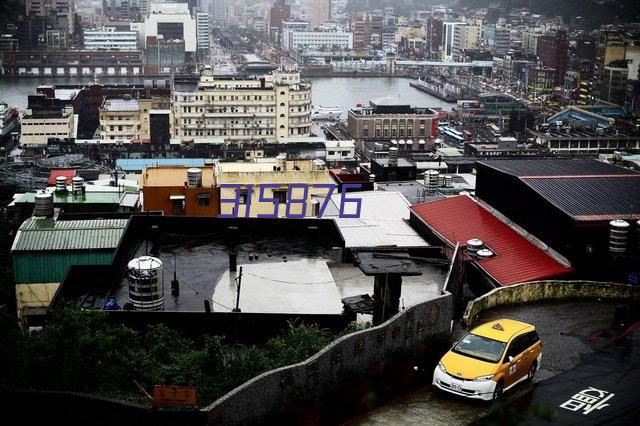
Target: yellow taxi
[(489, 360)]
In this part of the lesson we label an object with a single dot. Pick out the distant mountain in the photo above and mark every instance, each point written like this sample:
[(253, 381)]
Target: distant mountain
[(594, 12), (400, 7)]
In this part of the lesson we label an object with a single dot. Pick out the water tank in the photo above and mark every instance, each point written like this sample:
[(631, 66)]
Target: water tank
[(194, 177), (281, 162), (393, 156), (43, 204), (448, 181), (484, 253), (618, 236), (372, 178), (146, 283), (474, 245), (61, 184), (77, 185), (431, 180)]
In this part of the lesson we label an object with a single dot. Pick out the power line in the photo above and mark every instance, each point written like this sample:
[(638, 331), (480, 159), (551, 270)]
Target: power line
[(197, 292)]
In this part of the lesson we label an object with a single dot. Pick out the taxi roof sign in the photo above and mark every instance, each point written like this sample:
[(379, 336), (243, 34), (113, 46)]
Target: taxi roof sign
[(497, 326)]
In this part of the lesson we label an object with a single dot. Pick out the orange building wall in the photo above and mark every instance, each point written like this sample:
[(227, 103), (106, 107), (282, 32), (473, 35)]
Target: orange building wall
[(157, 198)]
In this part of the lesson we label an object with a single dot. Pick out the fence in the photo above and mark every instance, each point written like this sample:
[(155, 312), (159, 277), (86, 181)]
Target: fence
[(264, 394), (548, 290), (454, 282)]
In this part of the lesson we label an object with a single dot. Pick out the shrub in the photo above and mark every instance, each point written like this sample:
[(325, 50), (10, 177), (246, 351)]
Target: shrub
[(399, 356)]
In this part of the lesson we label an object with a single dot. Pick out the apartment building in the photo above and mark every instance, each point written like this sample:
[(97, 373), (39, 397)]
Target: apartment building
[(274, 181), (109, 38), (465, 37), (317, 40), (127, 118), (47, 120), (203, 30), (388, 118), (269, 108)]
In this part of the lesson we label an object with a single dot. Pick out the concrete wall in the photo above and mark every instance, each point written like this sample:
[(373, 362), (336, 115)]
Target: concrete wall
[(547, 290), (264, 394)]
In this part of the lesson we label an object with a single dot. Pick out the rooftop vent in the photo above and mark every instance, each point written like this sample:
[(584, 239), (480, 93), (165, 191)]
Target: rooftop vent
[(473, 245)]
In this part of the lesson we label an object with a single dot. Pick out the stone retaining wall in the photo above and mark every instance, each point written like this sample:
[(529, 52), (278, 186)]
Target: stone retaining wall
[(264, 395), (547, 290)]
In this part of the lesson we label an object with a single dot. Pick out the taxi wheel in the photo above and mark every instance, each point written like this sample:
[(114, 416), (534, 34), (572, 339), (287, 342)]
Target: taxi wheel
[(532, 371), (498, 391)]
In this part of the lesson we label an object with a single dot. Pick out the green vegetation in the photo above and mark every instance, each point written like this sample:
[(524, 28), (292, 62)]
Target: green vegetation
[(352, 374), (80, 351)]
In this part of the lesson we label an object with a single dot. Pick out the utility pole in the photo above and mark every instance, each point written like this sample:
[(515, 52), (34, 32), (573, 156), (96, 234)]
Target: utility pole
[(239, 279)]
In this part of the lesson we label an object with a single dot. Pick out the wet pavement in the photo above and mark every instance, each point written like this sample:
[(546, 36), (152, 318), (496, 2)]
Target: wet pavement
[(569, 332)]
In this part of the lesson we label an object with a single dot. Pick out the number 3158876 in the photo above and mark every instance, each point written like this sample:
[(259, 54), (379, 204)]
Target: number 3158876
[(243, 195)]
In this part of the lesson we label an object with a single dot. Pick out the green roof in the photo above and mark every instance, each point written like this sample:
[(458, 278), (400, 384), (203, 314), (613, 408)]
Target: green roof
[(68, 198), (41, 234)]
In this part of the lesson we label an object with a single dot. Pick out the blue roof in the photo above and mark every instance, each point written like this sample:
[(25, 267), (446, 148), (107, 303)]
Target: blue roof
[(139, 164)]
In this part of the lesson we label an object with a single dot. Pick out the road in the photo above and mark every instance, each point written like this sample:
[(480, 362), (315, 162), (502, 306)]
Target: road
[(568, 332)]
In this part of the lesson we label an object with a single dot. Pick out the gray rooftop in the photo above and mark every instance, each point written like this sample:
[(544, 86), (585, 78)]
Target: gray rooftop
[(118, 104)]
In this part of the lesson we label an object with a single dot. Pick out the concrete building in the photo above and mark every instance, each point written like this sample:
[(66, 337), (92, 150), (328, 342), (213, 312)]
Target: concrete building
[(125, 10), (448, 32), (170, 190), (47, 120), (279, 12), (614, 82), (169, 21), (316, 12), (127, 119), (552, 51), (61, 12), (388, 118), (109, 38), (339, 151), (501, 41), (366, 29), (317, 40), (465, 37), (530, 41), (275, 182), (275, 106), (203, 30)]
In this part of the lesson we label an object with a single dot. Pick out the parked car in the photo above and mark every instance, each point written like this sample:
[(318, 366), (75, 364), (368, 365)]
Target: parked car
[(490, 360)]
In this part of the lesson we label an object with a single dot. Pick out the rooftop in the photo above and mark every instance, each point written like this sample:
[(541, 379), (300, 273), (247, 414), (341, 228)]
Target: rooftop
[(459, 219), (402, 162), (40, 234), (174, 176), (554, 167), (139, 164), (88, 197), (119, 104)]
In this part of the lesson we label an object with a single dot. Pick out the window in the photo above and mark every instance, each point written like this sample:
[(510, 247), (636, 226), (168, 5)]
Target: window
[(480, 347), (517, 346), (280, 195), (331, 152), (243, 196), (204, 199)]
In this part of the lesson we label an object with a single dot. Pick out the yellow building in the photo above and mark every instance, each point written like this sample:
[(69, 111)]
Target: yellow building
[(275, 106), (128, 118), (247, 180)]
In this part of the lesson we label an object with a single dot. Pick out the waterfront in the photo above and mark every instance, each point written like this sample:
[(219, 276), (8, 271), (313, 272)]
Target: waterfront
[(343, 91)]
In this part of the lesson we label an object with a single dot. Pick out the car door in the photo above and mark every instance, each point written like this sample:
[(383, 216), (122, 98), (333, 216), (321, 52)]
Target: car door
[(531, 348), (515, 368)]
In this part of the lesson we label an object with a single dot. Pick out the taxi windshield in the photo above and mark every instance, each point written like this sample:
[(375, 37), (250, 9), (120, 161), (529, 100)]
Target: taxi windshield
[(480, 347)]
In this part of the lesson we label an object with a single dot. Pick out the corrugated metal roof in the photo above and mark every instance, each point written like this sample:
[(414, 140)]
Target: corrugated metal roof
[(459, 219), (382, 221), (554, 167), (592, 198), (139, 164), (68, 173), (49, 234)]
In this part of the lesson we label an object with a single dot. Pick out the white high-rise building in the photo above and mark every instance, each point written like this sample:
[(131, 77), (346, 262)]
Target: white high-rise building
[(108, 38), (447, 39), (203, 30), (172, 21)]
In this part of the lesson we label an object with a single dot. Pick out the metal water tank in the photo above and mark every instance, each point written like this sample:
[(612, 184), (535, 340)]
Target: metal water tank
[(43, 206), (448, 181), (194, 177), (473, 245), (61, 184), (146, 283), (484, 253), (432, 180), (618, 236), (393, 156), (77, 185)]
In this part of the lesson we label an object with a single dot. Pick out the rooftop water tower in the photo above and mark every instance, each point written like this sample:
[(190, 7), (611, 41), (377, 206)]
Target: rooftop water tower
[(146, 283)]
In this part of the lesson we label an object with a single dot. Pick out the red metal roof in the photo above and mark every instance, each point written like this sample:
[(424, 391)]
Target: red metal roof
[(68, 173), (459, 219)]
